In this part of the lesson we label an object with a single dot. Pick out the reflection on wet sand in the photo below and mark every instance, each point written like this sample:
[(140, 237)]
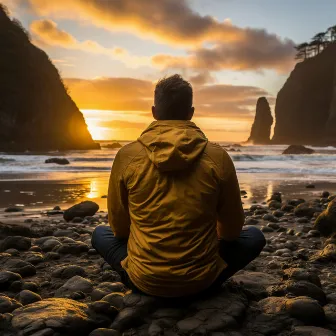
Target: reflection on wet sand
[(48, 193), (42, 194)]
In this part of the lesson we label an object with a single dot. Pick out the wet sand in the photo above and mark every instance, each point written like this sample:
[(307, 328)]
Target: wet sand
[(44, 191)]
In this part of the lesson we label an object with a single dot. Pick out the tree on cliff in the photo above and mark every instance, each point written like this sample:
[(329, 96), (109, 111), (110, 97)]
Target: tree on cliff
[(302, 51), (319, 42), (332, 32)]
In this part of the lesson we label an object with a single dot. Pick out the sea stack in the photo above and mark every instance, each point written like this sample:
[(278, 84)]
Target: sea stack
[(305, 106), (261, 128), (36, 112)]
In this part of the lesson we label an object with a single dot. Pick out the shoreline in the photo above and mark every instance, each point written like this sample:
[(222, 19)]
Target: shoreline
[(41, 192)]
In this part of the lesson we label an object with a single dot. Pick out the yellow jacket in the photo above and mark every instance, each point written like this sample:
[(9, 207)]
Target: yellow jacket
[(168, 193)]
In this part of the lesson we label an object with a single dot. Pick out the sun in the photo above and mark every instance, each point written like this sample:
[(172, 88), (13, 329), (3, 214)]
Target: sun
[(96, 132)]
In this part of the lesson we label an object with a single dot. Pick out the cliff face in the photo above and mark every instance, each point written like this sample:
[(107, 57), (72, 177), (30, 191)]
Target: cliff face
[(307, 101), (261, 128), (331, 122), (36, 112)]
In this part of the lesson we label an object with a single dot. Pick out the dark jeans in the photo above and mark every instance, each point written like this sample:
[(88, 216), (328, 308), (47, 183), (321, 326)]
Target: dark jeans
[(237, 254)]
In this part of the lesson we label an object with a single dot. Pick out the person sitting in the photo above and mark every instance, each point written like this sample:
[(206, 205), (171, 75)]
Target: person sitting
[(174, 206)]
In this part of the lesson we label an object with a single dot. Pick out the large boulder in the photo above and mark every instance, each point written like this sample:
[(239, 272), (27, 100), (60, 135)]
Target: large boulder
[(65, 316), (83, 209), (60, 161), (326, 221), (114, 145), (261, 128), (36, 111), (297, 150)]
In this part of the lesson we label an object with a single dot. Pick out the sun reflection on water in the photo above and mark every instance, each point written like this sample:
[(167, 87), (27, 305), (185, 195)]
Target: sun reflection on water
[(94, 190)]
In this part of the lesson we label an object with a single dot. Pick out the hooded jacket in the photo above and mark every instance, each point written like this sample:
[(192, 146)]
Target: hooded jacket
[(172, 193)]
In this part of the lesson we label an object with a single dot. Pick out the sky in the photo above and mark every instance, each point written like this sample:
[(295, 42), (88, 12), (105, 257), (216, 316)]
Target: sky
[(111, 53)]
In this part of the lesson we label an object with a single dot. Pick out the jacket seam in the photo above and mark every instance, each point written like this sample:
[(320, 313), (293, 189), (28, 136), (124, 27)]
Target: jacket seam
[(128, 164), (214, 162)]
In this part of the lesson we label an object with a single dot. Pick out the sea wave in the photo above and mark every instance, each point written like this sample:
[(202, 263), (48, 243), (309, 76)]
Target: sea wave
[(3, 160), (92, 159), (307, 158)]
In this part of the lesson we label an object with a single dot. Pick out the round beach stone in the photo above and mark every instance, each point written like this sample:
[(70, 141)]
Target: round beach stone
[(7, 305), (52, 256), (34, 258), (270, 218), (68, 271), (13, 252), (72, 248), (49, 244), (27, 297), (66, 233), (115, 300), (104, 307), (106, 288), (306, 310), (75, 284), (16, 242), (83, 209), (7, 278), (19, 266), (299, 274)]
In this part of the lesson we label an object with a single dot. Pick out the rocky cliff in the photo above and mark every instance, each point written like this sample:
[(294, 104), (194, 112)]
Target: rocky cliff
[(306, 105), (330, 137), (36, 112), (261, 128)]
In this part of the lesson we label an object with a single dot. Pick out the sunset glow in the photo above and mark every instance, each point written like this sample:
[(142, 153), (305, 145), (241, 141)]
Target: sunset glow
[(110, 58)]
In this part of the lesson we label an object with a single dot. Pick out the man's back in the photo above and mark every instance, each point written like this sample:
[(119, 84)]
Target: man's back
[(167, 191)]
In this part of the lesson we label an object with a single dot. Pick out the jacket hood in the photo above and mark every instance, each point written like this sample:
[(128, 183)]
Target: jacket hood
[(173, 144)]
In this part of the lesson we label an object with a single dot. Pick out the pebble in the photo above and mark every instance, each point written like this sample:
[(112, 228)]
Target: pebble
[(68, 271), (15, 242), (7, 305), (26, 297), (75, 284), (106, 288), (306, 309)]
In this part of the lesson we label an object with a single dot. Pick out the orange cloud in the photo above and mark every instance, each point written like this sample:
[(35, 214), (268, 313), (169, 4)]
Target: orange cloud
[(134, 95), (117, 94), (176, 23), (170, 21), (259, 51), (46, 32)]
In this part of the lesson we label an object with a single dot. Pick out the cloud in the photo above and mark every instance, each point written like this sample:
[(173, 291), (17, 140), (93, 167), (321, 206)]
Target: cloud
[(134, 95), (201, 78), (122, 124), (171, 21), (176, 23), (259, 51), (46, 32), (117, 94)]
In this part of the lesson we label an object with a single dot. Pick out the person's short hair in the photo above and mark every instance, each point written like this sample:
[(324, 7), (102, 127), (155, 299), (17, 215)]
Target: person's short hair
[(173, 98)]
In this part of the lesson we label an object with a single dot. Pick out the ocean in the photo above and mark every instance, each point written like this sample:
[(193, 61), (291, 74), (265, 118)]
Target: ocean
[(26, 180), (247, 159)]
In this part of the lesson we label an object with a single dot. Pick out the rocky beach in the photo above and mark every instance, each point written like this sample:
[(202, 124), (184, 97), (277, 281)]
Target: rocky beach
[(53, 282)]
